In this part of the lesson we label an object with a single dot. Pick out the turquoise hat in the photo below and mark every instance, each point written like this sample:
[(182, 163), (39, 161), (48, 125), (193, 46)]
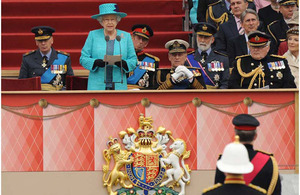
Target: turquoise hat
[(109, 8)]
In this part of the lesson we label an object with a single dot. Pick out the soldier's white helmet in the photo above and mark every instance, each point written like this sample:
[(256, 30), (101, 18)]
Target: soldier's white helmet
[(235, 159)]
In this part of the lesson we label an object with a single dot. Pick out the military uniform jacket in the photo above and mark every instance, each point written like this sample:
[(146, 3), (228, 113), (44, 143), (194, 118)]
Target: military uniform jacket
[(164, 81), (277, 30), (32, 65), (272, 71), (233, 189), (268, 174), (267, 15), (149, 76), (219, 77), (217, 12)]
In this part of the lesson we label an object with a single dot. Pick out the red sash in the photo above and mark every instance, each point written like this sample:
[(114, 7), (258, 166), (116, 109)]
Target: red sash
[(258, 162)]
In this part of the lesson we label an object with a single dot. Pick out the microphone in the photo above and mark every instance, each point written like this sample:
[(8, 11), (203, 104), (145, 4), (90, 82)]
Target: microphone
[(106, 39), (119, 40)]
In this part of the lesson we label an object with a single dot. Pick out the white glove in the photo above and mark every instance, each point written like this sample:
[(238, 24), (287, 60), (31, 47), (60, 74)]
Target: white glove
[(178, 76), (187, 73)]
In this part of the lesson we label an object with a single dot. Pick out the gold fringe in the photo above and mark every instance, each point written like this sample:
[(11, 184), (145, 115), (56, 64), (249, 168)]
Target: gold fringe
[(274, 177), (217, 107)]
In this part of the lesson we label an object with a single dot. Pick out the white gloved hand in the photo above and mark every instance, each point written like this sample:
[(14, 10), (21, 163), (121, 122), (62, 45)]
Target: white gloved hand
[(187, 73), (178, 76)]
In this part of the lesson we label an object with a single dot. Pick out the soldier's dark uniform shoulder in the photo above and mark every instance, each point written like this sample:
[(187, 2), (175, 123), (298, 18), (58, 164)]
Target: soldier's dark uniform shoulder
[(192, 52), (152, 56), (220, 53), (29, 53), (267, 153), (277, 56), (257, 188), (62, 52), (212, 188), (214, 2), (242, 56)]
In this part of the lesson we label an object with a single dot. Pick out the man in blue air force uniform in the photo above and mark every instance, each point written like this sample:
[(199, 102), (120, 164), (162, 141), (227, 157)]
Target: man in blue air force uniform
[(143, 76), (51, 65), (179, 76), (214, 66)]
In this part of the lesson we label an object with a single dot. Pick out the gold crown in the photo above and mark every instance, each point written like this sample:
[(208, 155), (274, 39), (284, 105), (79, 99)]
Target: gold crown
[(111, 141), (257, 38), (204, 27)]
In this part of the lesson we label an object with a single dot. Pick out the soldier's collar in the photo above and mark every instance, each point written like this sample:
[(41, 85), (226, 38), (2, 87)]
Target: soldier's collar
[(140, 53), (234, 179)]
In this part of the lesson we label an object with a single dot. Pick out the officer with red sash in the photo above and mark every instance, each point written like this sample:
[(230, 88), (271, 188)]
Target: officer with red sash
[(235, 163), (265, 173)]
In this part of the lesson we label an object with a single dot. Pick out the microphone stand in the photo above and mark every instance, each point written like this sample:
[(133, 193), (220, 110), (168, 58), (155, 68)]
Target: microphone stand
[(109, 85), (119, 40)]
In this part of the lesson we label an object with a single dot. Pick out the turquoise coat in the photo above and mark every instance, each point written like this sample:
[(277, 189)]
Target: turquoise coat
[(95, 48)]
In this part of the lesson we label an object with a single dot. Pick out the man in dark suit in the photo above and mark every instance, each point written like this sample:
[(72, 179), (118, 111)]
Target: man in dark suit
[(213, 65), (51, 65), (265, 174), (178, 76), (234, 163), (231, 28), (218, 12), (278, 28), (259, 69), (238, 46), (143, 76)]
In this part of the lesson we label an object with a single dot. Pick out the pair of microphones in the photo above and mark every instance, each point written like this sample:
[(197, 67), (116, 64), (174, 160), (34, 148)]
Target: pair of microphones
[(118, 38)]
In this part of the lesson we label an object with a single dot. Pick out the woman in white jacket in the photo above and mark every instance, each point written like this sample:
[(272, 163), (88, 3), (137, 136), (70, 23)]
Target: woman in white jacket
[(292, 55)]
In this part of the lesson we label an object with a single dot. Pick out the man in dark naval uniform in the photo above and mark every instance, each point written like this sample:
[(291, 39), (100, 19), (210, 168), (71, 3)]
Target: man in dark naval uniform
[(260, 70), (219, 11), (51, 65), (179, 76), (214, 66), (265, 174), (278, 28), (235, 162), (143, 76)]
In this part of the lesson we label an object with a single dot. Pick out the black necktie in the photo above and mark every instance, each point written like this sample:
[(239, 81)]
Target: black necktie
[(204, 55)]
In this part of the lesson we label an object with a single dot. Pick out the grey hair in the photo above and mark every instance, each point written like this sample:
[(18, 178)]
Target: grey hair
[(100, 19), (248, 11)]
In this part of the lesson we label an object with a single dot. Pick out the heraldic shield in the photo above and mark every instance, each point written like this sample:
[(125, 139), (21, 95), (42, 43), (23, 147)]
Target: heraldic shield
[(148, 165)]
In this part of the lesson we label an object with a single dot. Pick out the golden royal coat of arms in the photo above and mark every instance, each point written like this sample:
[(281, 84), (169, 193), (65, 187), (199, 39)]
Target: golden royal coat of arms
[(148, 167)]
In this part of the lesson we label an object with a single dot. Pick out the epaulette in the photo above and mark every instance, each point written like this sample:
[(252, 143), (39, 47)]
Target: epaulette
[(270, 154), (214, 3), (28, 53), (250, 1), (191, 52), (212, 188), (257, 188), (242, 56), (220, 53), (152, 56), (65, 53), (277, 56)]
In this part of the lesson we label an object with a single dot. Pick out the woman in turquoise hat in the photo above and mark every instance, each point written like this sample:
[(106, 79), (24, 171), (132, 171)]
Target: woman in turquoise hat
[(108, 41)]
